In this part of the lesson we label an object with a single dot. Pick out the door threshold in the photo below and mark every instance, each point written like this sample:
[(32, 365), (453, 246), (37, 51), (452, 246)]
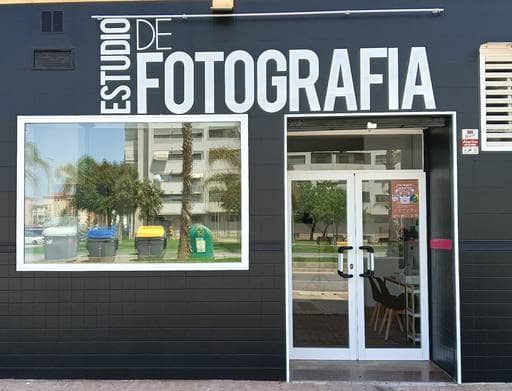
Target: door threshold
[(368, 371)]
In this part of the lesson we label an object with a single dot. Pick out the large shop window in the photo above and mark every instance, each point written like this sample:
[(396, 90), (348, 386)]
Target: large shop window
[(132, 193)]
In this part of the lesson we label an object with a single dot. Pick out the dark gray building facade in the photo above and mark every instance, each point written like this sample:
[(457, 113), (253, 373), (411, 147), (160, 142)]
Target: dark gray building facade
[(275, 75)]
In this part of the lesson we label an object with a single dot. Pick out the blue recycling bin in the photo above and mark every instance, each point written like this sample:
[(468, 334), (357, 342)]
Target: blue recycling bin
[(102, 242)]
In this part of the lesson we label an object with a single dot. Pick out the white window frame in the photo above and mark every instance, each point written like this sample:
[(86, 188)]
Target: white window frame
[(139, 266), (483, 53)]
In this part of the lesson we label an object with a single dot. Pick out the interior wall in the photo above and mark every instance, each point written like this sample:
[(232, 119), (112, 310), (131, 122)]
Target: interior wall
[(442, 291)]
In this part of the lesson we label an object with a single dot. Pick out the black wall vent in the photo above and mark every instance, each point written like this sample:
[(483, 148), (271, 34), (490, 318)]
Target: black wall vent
[(54, 59), (46, 21), (52, 22)]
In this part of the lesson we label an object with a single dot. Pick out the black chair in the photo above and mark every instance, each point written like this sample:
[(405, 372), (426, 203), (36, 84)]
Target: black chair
[(394, 307), (378, 297)]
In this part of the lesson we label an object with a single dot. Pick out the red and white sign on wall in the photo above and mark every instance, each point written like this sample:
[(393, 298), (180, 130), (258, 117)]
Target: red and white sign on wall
[(470, 142), (405, 199)]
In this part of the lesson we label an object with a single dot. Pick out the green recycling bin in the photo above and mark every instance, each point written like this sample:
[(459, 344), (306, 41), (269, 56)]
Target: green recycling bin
[(201, 242)]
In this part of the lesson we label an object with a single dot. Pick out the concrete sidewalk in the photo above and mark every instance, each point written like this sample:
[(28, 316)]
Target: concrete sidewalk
[(218, 385)]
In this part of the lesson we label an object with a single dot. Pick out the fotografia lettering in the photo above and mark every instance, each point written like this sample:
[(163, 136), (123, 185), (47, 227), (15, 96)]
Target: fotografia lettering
[(272, 72)]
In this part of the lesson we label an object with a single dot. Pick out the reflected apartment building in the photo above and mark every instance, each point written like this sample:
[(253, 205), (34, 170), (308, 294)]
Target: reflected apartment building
[(156, 151)]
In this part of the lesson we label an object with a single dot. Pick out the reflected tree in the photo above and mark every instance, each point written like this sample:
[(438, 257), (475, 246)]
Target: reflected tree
[(320, 203), (109, 190), (329, 208), (149, 200), (34, 162), (126, 190), (227, 183), (106, 176), (69, 174), (303, 201), (186, 201), (85, 195)]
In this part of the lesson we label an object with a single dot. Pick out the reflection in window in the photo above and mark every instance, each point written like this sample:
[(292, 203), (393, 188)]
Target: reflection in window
[(321, 158), (179, 197), (381, 160), (381, 198), (179, 156), (223, 132), (171, 177), (355, 152), (296, 160), (353, 158), (115, 194), (164, 135), (215, 195)]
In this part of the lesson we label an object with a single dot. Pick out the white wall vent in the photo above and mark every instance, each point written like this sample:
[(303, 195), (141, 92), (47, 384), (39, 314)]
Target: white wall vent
[(496, 96)]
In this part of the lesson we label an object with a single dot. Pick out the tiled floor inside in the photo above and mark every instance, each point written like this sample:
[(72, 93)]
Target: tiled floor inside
[(331, 330), (354, 371)]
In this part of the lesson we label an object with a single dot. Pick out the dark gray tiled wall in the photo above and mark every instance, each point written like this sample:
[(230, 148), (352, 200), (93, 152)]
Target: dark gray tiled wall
[(231, 324)]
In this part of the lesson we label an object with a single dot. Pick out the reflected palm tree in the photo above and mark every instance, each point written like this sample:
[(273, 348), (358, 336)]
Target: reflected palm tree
[(69, 173), (34, 163), (186, 202), (227, 183)]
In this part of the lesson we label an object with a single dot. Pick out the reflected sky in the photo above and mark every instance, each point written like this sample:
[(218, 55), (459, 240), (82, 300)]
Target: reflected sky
[(61, 144)]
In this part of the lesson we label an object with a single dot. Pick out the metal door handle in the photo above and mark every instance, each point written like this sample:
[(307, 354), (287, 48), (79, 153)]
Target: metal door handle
[(370, 271), (341, 272)]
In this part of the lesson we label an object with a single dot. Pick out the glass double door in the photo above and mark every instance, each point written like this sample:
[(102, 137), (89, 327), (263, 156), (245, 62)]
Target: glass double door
[(357, 265)]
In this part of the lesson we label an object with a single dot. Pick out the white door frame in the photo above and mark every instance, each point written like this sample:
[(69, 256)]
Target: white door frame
[(423, 352), (356, 297), (349, 353), (455, 215)]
